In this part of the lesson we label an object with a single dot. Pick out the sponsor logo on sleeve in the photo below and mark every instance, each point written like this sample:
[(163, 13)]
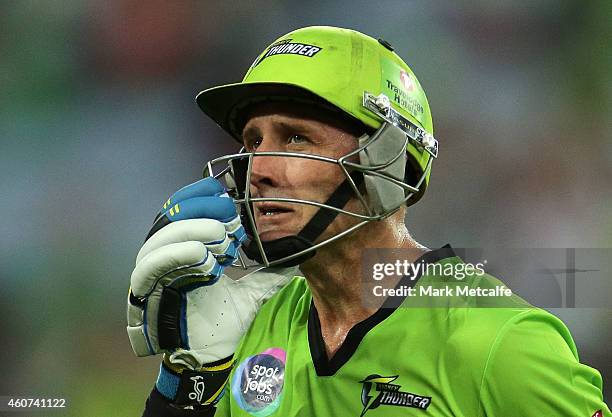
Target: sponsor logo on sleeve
[(258, 382)]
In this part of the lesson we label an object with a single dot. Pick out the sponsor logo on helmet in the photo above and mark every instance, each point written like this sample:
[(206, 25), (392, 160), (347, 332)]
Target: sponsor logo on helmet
[(404, 98), (286, 47), (407, 81), (403, 89)]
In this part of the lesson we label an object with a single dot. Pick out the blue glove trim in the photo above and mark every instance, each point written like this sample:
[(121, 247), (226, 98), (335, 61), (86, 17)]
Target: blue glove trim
[(167, 382), (217, 208), (230, 255), (202, 188), (240, 235), (207, 187)]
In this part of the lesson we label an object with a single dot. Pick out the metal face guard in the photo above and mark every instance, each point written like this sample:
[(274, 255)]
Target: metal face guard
[(382, 164)]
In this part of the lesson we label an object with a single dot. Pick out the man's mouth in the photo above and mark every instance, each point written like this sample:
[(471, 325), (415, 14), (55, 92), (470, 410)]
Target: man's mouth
[(272, 209)]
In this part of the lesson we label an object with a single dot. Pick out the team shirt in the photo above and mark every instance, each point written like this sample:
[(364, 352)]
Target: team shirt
[(442, 360)]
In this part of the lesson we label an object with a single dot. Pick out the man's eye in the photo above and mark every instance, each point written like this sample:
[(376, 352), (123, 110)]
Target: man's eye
[(297, 139), (253, 144)]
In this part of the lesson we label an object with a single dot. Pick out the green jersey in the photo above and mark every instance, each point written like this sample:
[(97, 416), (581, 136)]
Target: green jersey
[(412, 361)]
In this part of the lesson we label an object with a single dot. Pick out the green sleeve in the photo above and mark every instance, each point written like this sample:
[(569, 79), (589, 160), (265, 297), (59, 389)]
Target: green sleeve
[(222, 407), (533, 370)]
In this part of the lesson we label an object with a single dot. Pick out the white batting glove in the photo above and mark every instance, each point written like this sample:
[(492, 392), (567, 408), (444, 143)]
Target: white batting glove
[(180, 302)]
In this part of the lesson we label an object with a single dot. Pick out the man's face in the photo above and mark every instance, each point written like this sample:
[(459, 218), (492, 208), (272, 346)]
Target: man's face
[(284, 127)]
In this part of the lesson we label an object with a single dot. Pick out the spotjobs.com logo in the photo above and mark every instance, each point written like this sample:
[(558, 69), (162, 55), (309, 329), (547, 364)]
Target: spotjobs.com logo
[(258, 382), (401, 268)]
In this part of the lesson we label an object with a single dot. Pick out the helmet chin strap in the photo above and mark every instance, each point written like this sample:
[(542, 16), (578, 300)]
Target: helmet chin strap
[(285, 246)]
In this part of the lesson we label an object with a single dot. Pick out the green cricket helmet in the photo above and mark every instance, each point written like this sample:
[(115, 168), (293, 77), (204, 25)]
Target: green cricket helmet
[(335, 66), (361, 77)]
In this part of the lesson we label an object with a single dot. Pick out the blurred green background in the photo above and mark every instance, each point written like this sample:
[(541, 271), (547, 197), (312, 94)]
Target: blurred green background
[(98, 126)]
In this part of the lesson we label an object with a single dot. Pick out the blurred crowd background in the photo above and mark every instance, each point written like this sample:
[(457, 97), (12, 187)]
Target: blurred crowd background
[(98, 126)]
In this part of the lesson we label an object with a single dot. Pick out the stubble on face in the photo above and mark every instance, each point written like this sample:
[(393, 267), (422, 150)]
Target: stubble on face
[(300, 129)]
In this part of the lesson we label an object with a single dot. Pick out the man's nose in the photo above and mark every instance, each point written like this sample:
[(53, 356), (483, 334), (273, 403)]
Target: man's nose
[(267, 170)]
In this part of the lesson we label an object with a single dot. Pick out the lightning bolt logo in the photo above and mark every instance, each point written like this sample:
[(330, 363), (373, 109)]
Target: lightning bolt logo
[(368, 400)]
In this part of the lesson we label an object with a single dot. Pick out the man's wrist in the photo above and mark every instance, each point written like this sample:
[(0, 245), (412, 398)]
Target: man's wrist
[(186, 387), (159, 406)]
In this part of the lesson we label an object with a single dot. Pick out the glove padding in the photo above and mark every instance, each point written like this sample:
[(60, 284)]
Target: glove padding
[(180, 301)]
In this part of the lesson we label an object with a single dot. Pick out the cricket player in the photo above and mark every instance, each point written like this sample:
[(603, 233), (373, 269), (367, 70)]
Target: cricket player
[(337, 141)]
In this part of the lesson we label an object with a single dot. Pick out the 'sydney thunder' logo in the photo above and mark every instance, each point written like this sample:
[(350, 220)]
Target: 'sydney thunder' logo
[(388, 394), (287, 47)]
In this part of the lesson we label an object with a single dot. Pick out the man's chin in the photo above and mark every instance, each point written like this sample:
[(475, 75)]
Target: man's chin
[(274, 235)]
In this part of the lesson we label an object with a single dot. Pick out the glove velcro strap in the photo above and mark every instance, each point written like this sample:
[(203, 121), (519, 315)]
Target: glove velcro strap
[(185, 387)]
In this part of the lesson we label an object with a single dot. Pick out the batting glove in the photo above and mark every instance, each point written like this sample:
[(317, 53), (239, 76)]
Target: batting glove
[(180, 302)]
